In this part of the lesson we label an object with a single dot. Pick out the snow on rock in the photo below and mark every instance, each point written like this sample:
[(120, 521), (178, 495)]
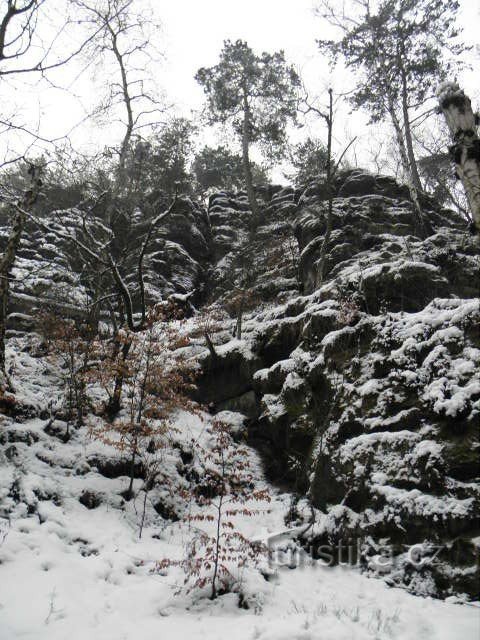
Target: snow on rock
[(360, 391)]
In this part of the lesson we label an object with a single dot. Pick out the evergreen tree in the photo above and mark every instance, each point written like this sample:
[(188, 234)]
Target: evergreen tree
[(309, 158), (398, 52), (162, 162), (220, 167), (257, 94)]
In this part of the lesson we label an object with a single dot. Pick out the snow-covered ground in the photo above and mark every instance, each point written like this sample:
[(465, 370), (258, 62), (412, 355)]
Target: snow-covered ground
[(49, 590), (68, 572)]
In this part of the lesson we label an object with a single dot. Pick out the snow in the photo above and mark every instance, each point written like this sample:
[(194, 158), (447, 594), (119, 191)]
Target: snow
[(67, 571), (370, 387), (446, 87), (293, 381), (421, 504), (86, 575), (71, 572), (274, 406)]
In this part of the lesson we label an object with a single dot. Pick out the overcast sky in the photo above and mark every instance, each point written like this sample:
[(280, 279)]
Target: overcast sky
[(195, 32), (191, 36)]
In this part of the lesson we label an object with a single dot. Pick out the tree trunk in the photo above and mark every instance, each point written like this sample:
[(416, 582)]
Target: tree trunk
[(113, 406), (238, 329), (247, 169), (8, 259), (6, 265), (217, 549), (419, 221), (120, 180), (210, 345), (465, 151), (412, 162), (132, 472), (328, 228)]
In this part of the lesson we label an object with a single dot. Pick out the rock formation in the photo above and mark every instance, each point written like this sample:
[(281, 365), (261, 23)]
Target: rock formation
[(362, 392)]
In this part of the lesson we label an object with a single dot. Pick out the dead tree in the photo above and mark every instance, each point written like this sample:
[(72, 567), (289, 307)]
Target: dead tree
[(465, 150), (330, 172)]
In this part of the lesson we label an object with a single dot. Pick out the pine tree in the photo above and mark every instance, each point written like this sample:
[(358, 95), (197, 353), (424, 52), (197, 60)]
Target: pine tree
[(309, 159), (162, 161), (398, 52), (221, 168), (257, 95)]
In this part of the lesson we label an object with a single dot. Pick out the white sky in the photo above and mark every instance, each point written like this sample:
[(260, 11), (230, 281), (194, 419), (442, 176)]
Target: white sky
[(192, 35)]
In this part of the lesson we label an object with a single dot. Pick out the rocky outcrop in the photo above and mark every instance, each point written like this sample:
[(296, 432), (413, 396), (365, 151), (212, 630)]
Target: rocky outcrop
[(367, 386), (361, 388), (49, 272)]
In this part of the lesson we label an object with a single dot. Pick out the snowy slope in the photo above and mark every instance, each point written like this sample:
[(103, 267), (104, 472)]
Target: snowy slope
[(68, 571)]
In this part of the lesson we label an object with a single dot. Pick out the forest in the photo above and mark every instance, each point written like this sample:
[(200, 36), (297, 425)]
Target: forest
[(239, 320)]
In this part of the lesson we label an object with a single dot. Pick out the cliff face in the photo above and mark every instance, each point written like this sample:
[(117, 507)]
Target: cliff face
[(51, 273), (362, 391)]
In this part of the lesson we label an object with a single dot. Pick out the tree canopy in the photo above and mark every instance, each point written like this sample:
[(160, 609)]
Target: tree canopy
[(257, 95), (222, 168), (403, 43), (264, 84), (399, 51), (162, 161), (308, 158)]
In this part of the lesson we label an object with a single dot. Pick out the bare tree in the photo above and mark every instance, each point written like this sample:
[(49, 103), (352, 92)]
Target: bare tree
[(8, 258), (331, 169), (22, 51), (122, 38)]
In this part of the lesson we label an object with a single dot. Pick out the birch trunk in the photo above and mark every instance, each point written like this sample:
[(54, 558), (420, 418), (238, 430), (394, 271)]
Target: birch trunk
[(465, 151)]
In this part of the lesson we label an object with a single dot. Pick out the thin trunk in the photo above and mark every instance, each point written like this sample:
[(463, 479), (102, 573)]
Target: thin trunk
[(247, 169), (8, 259), (210, 345), (328, 228), (138, 419), (465, 151), (124, 292), (412, 162), (113, 406), (143, 514), (404, 138), (419, 220), (217, 548), (120, 181), (132, 469)]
